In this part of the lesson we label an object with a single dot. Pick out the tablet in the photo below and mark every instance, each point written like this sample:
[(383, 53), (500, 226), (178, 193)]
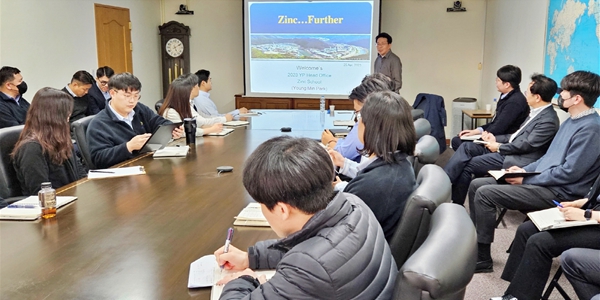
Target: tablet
[(160, 138)]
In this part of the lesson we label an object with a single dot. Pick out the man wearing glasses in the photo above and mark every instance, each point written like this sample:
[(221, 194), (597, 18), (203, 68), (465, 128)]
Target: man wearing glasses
[(388, 63), (118, 132), (99, 92), (13, 107)]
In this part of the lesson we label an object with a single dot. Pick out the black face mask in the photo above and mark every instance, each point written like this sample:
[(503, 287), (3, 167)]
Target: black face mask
[(22, 88), (561, 103)]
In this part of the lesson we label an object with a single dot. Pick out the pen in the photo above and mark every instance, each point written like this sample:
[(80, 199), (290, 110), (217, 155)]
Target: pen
[(101, 171), (557, 204), (22, 206), (227, 242)]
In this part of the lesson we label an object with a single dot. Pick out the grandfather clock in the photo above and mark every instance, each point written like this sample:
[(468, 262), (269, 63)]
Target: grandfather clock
[(175, 53)]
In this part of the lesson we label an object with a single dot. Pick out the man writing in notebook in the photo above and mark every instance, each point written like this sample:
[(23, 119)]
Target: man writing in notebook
[(332, 246), (567, 170), (123, 127)]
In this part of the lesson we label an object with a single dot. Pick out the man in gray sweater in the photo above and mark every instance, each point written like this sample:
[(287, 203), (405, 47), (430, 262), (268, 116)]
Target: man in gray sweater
[(332, 246), (567, 170)]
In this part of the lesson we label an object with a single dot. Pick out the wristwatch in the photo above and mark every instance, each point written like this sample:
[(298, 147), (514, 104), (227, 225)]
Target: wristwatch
[(587, 214)]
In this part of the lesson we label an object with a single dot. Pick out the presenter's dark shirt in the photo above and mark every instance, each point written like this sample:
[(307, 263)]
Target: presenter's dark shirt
[(391, 66)]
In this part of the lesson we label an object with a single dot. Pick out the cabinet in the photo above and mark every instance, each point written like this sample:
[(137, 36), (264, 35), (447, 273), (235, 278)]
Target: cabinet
[(290, 103)]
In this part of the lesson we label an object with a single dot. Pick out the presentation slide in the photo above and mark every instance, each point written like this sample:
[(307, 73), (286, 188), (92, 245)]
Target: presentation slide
[(309, 48)]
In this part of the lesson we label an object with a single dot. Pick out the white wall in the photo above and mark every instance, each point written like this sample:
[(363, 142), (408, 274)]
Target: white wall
[(440, 51), (50, 40), (515, 31), (215, 44)]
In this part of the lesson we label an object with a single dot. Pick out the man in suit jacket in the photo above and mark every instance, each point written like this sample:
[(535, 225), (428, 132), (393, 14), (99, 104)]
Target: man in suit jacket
[(512, 107), (99, 91), (525, 146)]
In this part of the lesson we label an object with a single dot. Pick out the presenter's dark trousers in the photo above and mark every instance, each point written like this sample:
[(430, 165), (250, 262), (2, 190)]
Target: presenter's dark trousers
[(485, 195), (582, 269), (470, 160), (528, 265)]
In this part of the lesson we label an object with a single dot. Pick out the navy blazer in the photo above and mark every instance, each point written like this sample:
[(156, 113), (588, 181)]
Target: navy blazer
[(532, 141), (435, 113), (511, 112)]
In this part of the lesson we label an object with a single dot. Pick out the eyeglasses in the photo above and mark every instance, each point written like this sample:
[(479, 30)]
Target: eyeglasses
[(130, 96), (103, 83)]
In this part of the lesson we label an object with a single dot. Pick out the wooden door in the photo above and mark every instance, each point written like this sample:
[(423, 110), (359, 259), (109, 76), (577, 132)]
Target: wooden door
[(113, 37)]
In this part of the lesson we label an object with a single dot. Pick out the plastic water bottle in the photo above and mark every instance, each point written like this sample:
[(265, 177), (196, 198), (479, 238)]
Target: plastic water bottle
[(322, 104), (47, 198)]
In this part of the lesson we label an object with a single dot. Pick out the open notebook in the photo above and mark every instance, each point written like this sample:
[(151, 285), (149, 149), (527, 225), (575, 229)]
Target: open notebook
[(29, 208), (205, 272), (251, 215), (553, 218), (236, 123), (116, 172), (180, 151)]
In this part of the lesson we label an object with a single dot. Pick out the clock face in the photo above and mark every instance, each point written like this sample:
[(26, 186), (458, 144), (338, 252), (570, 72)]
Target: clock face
[(174, 47)]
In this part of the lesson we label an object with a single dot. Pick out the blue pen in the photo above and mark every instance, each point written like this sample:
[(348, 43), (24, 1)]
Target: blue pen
[(22, 206), (557, 204), (228, 242)]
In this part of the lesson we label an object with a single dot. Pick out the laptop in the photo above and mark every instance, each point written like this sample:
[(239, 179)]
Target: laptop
[(160, 138)]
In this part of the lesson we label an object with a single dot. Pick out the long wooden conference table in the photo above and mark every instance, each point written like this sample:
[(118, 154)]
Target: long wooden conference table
[(135, 237)]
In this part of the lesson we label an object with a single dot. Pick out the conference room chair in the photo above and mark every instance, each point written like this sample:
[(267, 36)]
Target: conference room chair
[(445, 263), (422, 127), (554, 284), (158, 104), (434, 188), (79, 129), (426, 152), (417, 114), (9, 185)]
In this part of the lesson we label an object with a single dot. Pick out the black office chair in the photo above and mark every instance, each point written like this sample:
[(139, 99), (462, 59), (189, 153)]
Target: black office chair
[(434, 189), (79, 129), (9, 185), (158, 104), (445, 263)]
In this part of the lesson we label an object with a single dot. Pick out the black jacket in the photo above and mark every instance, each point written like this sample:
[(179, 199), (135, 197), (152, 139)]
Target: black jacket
[(33, 167), (435, 113), (95, 95), (11, 113), (511, 112), (385, 188), (82, 107), (107, 136)]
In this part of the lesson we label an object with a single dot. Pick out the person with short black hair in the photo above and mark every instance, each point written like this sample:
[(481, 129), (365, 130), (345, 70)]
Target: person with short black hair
[(331, 245), (44, 152), (567, 170), (519, 149), (178, 105), (387, 62), (13, 107), (99, 90), (385, 179), (511, 110), (348, 146), (205, 106), (118, 132), (83, 105)]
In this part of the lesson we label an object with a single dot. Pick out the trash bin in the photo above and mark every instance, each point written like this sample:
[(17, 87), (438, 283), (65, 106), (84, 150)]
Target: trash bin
[(458, 105)]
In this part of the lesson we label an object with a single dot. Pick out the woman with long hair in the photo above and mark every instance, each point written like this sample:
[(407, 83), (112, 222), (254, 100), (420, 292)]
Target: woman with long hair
[(385, 178), (44, 151), (178, 105)]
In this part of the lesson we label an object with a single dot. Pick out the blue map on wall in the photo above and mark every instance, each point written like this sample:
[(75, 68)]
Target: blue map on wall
[(572, 38)]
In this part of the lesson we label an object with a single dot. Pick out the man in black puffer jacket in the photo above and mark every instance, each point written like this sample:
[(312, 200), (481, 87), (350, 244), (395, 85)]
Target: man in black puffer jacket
[(332, 245)]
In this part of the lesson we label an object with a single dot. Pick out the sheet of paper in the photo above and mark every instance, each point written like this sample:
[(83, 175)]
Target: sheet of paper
[(202, 272), (172, 152), (470, 137), (344, 123), (249, 114), (217, 290), (225, 131), (480, 142), (251, 212), (116, 172)]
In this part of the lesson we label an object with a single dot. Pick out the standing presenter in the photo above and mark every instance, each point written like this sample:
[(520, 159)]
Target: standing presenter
[(387, 62)]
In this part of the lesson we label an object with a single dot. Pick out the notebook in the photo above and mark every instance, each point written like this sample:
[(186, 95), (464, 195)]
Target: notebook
[(344, 123), (116, 172), (339, 132), (501, 174), (32, 211), (160, 138), (251, 215), (205, 272), (470, 137), (236, 123), (480, 142), (172, 152), (224, 132), (553, 218)]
